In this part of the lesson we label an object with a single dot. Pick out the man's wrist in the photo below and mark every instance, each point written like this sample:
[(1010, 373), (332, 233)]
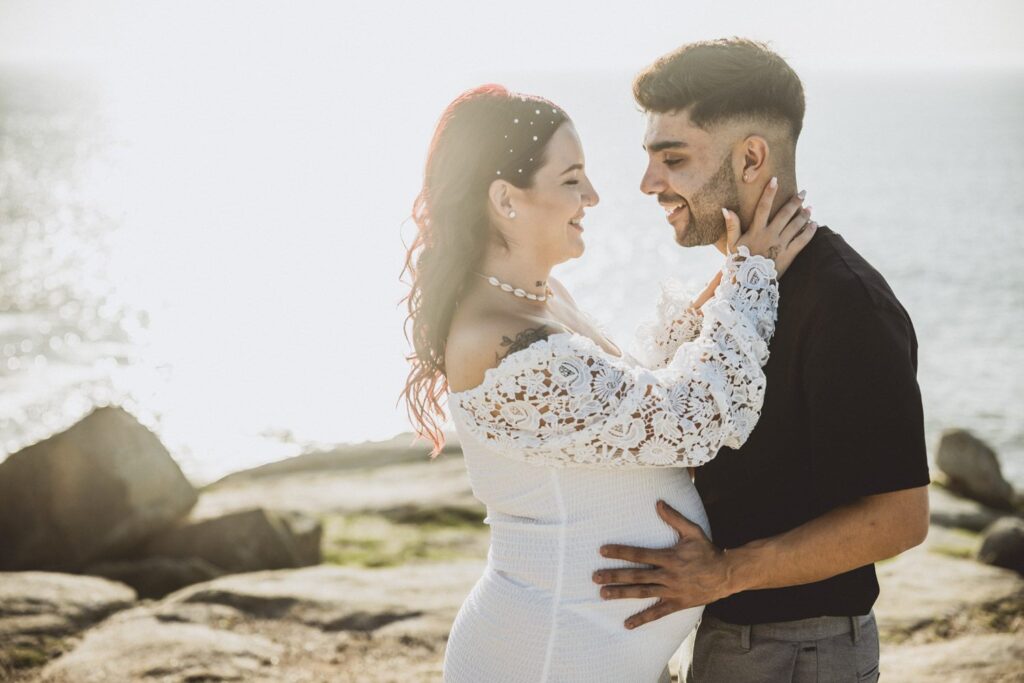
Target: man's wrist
[(745, 567)]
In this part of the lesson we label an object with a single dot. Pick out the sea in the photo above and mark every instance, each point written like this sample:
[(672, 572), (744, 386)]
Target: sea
[(226, 264)]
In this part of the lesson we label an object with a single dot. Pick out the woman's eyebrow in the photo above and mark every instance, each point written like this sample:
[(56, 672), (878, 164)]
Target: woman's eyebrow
[(571, 168)]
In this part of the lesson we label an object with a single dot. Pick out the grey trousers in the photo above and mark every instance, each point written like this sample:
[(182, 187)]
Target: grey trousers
[(819, 650)]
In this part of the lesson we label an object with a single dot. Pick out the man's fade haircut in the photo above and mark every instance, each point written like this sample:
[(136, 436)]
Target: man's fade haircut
[(722, 79)]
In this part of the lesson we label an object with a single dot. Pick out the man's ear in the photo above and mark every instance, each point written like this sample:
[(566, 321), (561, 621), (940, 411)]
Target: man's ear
[(500, 197), (755, 157)]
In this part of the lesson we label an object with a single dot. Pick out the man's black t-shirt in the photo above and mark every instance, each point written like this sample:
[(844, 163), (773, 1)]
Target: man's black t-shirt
[(842, 419)]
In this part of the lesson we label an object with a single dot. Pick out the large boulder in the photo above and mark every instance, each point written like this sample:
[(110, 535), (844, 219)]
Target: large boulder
[(969, 659), (89, 493), (137, 646), (973, 469), (922, 589), (342, 598), (307, 533), (1003, 545), (948, 510), (39, 609), (403, 449), (155, 577), (309, 625), (423, 484), (947, 619), (243, 541)]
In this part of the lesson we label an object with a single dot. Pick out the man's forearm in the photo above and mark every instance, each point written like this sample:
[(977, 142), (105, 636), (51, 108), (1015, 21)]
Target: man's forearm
[(871, 529)]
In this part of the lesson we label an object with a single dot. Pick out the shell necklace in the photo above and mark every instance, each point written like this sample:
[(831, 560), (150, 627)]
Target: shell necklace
[(521, 293)]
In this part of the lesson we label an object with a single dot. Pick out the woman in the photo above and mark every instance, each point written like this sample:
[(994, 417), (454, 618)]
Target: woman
[(567, 440)]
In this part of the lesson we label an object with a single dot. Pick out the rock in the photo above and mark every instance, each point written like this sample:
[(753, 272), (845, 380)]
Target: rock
[(949, 620), (342, 598), (308, 532), (139, 646), (155, 577), (1003, 545), (89, 493), (952, 511), (426, 484), (973, 469), (308, 625), (968, 659), (243, 541), (921, 589), (38, 609), (402, 449)]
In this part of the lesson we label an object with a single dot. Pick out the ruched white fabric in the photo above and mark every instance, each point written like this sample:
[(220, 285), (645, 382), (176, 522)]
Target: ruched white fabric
[(569, 447)]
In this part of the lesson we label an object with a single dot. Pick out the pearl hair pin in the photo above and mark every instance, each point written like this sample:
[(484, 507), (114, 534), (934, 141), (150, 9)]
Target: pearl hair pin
[(536, 138), (521, 293)]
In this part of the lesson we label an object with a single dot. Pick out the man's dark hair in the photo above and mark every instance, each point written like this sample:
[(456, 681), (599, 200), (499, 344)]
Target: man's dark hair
[(722, 79)]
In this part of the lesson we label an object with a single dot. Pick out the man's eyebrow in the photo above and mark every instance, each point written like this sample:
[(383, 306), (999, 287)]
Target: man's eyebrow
[(666, 144), (571, 168)]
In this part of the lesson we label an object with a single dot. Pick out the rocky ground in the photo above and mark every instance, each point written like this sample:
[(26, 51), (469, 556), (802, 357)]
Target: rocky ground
[(403, 542)]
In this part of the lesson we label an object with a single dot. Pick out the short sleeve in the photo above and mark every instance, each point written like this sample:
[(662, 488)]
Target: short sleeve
[(675, 322), (564, 401), (865, 416)]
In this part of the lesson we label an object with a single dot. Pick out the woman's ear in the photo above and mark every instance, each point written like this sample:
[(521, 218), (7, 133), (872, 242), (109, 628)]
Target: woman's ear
[(500, 198), (755, 157)]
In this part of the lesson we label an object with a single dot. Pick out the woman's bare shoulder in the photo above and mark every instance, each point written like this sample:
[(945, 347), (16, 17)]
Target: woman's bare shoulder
[(560, 291), (478, 342)]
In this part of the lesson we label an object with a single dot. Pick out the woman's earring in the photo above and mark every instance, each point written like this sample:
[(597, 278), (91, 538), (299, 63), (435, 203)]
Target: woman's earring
[(511, 214)]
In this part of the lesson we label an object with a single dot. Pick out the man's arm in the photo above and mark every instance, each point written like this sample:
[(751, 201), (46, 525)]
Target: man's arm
[(695, 572), (866, 531)]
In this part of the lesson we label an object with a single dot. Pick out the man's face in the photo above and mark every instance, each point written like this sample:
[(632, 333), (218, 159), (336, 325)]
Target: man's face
[(690, 171)]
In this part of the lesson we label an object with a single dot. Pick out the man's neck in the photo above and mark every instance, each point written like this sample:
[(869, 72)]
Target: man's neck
[(787, 188)]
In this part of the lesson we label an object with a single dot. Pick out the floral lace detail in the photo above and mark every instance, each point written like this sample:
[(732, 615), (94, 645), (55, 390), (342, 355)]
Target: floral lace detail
[(656, 341), (565, 401)]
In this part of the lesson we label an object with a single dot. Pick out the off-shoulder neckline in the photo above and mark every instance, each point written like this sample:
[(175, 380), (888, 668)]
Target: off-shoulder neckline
[(491, 373)]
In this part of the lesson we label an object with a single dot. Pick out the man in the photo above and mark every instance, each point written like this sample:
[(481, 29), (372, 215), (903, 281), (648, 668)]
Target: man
[(834, 477)]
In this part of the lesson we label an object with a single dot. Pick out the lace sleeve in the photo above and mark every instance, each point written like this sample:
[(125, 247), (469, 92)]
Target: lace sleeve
[(564, 401), (656, 341)]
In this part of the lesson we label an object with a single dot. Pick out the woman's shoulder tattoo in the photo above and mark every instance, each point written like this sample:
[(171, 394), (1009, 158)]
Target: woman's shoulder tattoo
[(521, 341)]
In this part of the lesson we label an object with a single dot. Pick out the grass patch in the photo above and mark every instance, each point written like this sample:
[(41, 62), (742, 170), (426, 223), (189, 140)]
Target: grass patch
[(959, 552), (957, 543), (26, 657), (378, 540), (444, 516), (28, 651)]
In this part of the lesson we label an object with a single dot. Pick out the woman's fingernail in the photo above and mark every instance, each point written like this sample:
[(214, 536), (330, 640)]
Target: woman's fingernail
[(774, 182), (801, 194), (725, 213)]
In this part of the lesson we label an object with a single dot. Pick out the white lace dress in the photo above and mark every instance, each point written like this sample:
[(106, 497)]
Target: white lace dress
[(569, 447)]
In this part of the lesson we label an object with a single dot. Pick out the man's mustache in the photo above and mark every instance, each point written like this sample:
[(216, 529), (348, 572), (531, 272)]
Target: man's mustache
[(670, 199)]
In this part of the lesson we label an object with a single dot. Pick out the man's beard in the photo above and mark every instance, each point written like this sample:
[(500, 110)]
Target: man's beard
[(707, 225)]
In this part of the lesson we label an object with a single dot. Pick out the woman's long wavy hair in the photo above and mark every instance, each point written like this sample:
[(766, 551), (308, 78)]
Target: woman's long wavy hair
[(476, 137)]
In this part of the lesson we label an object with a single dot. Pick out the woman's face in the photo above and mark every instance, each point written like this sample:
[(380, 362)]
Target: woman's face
[(549, 214)]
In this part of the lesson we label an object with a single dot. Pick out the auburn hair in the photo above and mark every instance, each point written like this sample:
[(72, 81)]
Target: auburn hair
[(477, 141)]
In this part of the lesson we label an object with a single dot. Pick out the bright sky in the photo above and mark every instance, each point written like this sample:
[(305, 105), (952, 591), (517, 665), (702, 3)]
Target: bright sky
[(527, 34)]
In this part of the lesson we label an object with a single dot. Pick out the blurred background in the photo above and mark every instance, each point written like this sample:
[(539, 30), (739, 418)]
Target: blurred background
[(203, 205)]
